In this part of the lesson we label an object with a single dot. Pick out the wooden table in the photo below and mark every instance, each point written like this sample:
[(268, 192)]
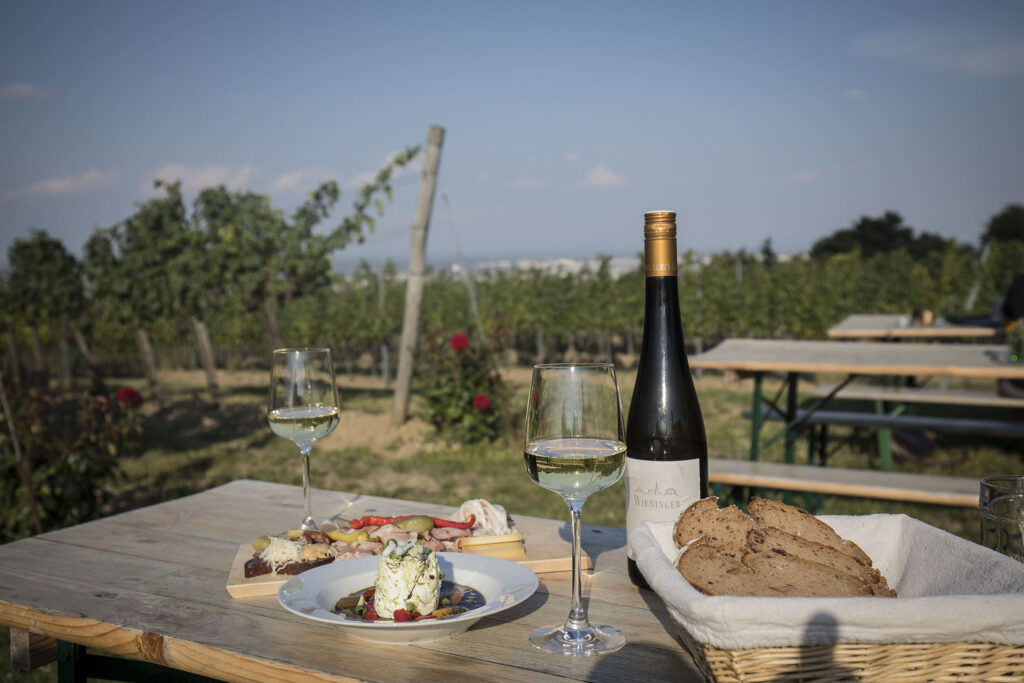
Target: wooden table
[(890, 326), (150, 584), (849, 358)]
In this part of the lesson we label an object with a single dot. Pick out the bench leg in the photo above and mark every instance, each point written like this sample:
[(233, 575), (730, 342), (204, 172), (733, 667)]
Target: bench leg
[(755, 418), (884, 439)]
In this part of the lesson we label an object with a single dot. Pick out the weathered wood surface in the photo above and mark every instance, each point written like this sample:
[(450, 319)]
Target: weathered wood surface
[(150, 584), (889, 326), (909, 487), (958, 397), (863, 358)]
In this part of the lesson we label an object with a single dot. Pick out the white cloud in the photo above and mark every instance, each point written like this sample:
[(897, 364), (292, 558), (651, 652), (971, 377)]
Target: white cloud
[(89, 181), (199, 177), (800, 177), (24, 91), (302, 179), (525, 184), (602, 177), (856, 94), (961, 51)]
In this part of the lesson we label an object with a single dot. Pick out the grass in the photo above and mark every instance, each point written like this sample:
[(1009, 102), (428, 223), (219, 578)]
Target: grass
[(190, 446)]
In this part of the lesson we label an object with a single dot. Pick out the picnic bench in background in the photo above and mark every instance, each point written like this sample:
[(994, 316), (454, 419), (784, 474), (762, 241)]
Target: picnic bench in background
[(892, 326), (850, 360)]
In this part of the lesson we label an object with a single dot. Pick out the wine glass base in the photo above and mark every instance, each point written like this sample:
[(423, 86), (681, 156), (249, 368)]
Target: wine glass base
[(596, 640), (308, 525)]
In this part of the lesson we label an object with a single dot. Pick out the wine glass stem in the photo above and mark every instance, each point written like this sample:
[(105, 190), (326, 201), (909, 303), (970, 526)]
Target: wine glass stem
[(307, 521), (577, 620)]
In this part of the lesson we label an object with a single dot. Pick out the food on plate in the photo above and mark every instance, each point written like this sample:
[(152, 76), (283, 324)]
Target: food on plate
[(275, 555), (479, 527), (407, 578), (776, 550)]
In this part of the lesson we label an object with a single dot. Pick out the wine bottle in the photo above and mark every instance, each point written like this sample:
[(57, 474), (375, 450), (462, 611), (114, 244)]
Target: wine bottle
[(666, 447)]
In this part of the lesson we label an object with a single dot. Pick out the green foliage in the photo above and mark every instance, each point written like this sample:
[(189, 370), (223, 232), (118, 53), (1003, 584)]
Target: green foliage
[(72, 448), (1005, 226), (878, 235), (462, 393), (45, 282)]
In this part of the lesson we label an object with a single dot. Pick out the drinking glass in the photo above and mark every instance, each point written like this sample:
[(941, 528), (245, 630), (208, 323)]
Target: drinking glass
[(303, 405), (1001, 504), (575, 446)]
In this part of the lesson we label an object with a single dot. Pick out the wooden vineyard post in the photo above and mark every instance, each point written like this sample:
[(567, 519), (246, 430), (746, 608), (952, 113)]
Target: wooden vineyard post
[(417, 266)]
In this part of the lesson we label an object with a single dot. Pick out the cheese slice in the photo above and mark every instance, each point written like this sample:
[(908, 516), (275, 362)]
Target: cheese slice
[(470, 541), (507, 551)]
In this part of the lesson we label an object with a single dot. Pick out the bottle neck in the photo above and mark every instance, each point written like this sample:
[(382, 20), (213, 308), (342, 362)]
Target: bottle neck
[(660, 257)]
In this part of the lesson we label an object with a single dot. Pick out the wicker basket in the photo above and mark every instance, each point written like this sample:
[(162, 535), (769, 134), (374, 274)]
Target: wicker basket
[(850, 662)]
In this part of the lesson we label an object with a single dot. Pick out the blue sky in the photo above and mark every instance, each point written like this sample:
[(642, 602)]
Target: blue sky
[(564, 121)]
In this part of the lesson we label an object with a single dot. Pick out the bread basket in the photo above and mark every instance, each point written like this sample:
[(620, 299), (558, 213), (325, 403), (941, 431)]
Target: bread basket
[(960, 614)]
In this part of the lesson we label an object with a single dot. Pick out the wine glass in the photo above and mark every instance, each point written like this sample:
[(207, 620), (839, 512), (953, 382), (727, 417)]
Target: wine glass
[(303, 405), (575, 446)]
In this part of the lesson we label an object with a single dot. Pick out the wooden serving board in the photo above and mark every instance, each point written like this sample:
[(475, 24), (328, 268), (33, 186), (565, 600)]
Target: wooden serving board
[(547, 546)]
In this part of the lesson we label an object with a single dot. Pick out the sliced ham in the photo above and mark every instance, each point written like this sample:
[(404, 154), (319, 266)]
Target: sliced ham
[(446, 533)]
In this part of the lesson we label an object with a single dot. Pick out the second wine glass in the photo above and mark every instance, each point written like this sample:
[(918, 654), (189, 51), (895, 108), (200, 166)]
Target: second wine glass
[(575, 446), (304, 405)]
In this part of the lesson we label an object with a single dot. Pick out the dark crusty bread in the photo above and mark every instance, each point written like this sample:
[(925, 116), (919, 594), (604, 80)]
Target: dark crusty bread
[(797, 521), (778, 550), (714, 572), (777, 541), (721, 526)]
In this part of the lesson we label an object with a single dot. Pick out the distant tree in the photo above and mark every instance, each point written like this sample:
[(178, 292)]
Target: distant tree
[(45, 287), (879, 236), (1005, 226), (768, 256)]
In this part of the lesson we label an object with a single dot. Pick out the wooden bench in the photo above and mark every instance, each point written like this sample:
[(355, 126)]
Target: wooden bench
[(960, 397), (902, 486), (850, 418)]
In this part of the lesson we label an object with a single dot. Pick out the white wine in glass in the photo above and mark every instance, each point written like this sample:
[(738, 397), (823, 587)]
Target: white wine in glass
[(304, 405), (575, 446)]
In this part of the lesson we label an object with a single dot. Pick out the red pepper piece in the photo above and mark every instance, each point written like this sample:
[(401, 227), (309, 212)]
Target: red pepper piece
[(457, 525), (374, 520), (371, 613), (369, 593), (402, 615)]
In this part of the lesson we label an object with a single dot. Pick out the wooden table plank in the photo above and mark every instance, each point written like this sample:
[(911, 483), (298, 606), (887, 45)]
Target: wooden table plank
[(149, 584), (893, 326), (863, 358)]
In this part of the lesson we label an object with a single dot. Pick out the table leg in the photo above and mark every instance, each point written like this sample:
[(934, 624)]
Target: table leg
[(791, 397)]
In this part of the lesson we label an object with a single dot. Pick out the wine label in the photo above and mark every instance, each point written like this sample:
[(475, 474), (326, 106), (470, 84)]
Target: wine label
[(659, 490)]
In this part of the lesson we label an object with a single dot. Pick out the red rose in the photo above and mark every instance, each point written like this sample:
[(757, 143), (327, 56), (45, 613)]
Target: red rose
[(128, 396), (459, 341), (481, 402)]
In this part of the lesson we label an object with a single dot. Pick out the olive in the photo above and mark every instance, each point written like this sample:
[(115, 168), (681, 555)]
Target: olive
[(417, 523), (261, 543)]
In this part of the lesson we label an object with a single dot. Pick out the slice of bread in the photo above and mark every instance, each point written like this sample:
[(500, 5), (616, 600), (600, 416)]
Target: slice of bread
[(721, 526), (797, 521), (777, 541), (715, 572)]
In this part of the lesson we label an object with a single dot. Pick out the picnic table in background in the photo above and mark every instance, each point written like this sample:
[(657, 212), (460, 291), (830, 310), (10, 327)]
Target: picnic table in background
[(150, 585), (892, 326), (853, 359)]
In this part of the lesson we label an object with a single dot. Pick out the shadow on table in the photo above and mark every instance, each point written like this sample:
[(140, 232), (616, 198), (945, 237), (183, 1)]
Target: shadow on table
[(594, 542)]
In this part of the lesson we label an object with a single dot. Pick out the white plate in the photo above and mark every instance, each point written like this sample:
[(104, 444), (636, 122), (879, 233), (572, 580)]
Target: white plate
[(313, 594)]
